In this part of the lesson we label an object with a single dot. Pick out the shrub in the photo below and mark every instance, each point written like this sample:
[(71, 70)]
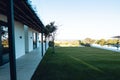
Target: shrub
[(51, 43), (87, 45)]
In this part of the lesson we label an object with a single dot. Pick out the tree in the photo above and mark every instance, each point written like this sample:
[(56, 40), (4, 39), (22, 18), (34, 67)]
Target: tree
[(51, 28), (101, 42), (89, 40), (111, 41)]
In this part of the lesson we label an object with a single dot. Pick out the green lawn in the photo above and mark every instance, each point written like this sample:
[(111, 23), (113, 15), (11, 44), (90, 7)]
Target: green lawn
[(79, 63)]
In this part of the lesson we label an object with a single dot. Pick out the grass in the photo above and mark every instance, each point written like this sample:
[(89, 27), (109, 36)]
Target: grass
[(79, 63)]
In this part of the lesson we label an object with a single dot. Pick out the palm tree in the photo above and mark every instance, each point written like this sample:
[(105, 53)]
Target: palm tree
[(51, 31)]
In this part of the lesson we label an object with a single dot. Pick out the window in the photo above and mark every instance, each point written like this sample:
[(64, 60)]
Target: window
[(4, 46)]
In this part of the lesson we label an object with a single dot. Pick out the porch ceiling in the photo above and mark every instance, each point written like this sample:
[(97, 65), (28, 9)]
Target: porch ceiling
[(23, 13)]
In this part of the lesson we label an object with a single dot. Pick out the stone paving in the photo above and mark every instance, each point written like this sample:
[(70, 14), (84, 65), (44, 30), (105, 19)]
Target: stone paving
[(25, 66)]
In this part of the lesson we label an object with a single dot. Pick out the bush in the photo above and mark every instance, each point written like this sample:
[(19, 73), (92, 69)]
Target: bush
[(86, 45), (51, 43), (57, 45)]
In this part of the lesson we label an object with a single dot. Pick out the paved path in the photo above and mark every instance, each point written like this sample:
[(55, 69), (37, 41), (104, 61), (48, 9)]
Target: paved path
[(25, 65)]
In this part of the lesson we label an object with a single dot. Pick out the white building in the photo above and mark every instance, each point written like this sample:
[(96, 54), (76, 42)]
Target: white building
[(27, 29)]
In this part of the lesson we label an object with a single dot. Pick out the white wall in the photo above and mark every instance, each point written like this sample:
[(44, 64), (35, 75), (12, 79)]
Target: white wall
[(43, 47), (23, 38), (30, 39), (19, 32), (38, 43), (47, 41), (26, 39), (19, 39)]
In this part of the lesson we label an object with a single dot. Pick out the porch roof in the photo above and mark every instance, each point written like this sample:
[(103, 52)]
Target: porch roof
[(24, 13)]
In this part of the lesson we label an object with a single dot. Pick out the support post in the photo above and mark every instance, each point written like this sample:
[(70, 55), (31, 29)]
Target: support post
[(42, 43), (36, 37), (10, 18), (45, 44)]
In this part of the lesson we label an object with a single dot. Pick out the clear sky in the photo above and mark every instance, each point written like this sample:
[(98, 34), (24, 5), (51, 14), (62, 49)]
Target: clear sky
[(78, 19)]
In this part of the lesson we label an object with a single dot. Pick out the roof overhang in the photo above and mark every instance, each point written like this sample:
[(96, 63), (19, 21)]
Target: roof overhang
[(116, 37), (24, 13)]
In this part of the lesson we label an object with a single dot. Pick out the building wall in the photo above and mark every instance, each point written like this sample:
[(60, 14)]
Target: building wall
[(47, 43), (26, 39), (19, 39), (38, 41), (30, 39)]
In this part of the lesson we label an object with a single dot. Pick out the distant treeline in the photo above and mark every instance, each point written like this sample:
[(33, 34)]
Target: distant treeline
[(87, 42), (67, 43), (100, 41)]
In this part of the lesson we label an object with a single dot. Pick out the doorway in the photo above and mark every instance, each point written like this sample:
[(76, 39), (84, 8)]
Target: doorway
[(4, 46), (34, 40)]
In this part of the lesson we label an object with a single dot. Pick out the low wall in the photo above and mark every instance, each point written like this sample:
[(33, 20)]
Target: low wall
[(106, 47)]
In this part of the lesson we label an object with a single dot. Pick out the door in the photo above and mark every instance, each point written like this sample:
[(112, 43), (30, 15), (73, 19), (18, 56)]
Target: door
[(4, 47)]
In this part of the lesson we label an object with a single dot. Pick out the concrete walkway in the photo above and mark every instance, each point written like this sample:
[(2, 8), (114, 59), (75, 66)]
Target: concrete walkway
[(25, 65)]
